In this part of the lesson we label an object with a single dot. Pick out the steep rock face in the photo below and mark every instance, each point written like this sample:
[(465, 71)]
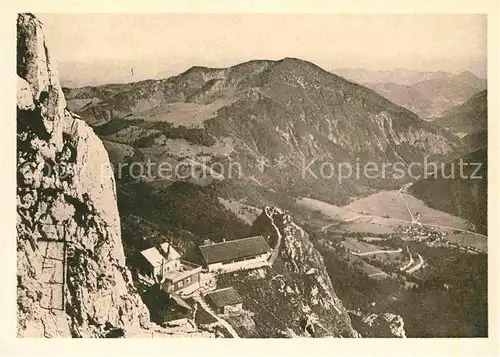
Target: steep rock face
[(301, 258), (295, 296), (37, 68), (72, 279)]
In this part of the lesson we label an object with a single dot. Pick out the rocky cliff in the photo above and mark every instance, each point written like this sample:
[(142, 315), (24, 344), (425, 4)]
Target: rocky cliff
[(72, 278), (378, 325), (295, 296)]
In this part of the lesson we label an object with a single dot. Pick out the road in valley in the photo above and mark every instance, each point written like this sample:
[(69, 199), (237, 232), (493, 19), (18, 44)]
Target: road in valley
[(409, 263), (404, 189), (377, 274), (401, 191), (377, 252), (276, 248), (199, 299), (418, 266)]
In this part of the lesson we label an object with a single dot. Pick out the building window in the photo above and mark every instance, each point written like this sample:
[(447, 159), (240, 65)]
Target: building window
[(187, 280), (180, 284)]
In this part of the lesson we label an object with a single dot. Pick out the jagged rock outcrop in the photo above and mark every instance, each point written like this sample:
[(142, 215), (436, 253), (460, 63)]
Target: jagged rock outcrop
[(304, 262), (35, 65), (294, 297), (378, 325), (72, 278)]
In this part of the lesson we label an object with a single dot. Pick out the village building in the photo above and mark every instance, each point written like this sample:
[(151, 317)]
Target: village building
[(235, 254), (225, 300), (175, 275)]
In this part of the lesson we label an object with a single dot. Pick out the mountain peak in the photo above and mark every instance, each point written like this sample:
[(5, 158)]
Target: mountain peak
[(468, 74), (299, 63)]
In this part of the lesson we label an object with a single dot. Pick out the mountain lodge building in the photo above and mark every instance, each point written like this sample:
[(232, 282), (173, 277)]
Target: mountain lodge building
[(225, 300), (175, 275), (235, 254)]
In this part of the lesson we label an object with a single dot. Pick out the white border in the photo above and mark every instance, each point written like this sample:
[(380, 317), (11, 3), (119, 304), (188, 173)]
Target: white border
[(11, 346)]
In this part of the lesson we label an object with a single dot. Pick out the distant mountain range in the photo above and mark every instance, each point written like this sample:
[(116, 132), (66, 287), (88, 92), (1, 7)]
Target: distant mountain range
[(406, 77), (428, 94), (289, 109), (76, 74)]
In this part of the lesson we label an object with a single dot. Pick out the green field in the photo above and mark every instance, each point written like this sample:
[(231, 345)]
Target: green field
[(389, 204), (359, 247), (379, 213), (467, 239), (333, 212), (363, 226)]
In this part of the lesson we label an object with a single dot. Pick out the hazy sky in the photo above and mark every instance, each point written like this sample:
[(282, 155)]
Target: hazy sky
[(171, 43)]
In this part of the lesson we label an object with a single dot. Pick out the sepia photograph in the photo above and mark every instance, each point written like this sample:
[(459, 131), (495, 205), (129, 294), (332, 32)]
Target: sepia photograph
[(251, 175)]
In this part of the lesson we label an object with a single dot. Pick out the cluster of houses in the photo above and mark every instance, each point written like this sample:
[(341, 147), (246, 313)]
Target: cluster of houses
[(180, 277)]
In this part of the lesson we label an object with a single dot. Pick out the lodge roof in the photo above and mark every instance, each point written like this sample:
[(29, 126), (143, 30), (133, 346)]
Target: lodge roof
[(234, 249), (224, 297), (171, 253), (153, 256), (156, 258)]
